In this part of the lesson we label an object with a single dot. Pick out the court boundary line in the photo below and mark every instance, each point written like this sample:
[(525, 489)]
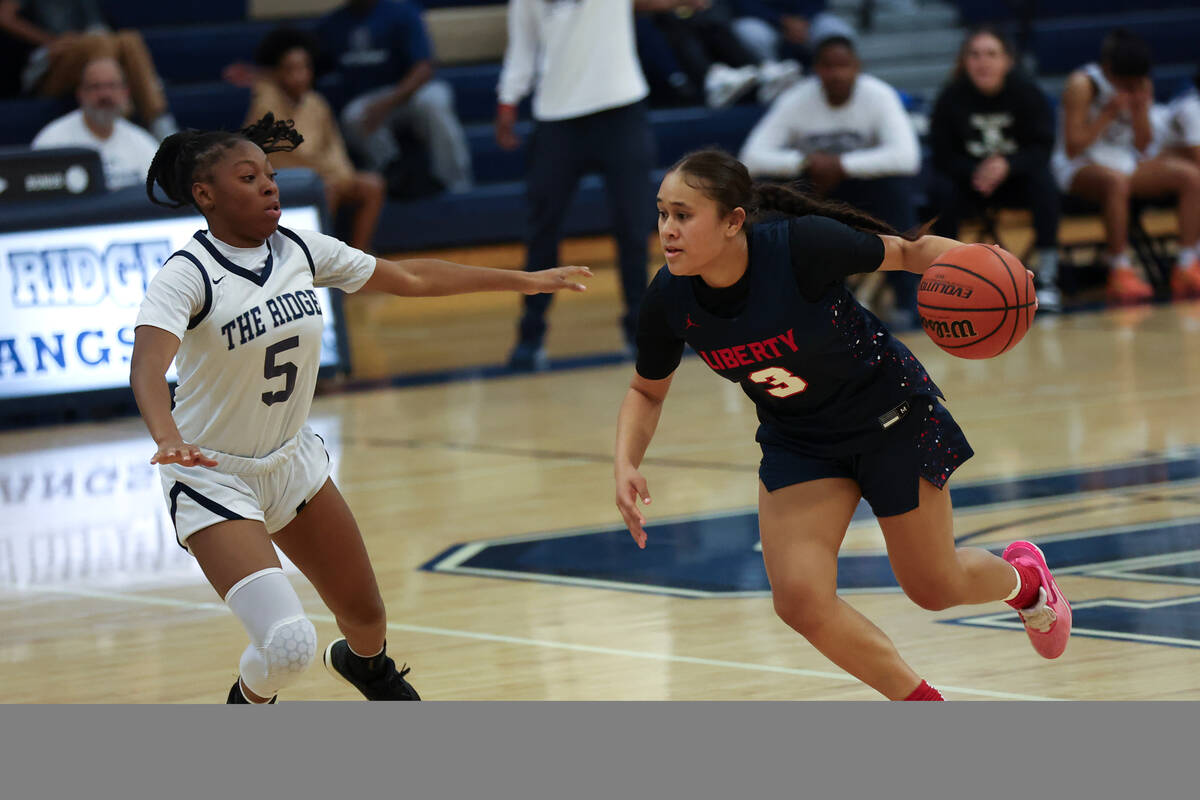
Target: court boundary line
[(644, 655)]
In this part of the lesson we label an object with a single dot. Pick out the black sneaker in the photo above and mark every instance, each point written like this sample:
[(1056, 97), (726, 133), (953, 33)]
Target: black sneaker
[(380, 681), (528, 357), (1049, 298), (236, 698)]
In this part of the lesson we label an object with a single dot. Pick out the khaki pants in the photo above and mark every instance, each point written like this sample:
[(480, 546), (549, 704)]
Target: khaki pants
[(128, 48)]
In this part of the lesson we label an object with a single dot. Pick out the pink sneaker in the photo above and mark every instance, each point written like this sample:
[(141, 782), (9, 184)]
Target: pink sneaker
[(1048, 622)]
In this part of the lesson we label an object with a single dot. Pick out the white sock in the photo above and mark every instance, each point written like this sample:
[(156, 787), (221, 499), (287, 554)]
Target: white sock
[(1017, 589), (352, 650), (1047, 265), (1120, 261)]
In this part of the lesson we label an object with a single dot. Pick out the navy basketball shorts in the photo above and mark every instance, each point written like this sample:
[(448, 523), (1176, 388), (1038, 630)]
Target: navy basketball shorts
[(889, 476)]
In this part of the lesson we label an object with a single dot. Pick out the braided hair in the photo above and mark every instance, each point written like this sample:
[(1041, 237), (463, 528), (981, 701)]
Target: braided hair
[(188, 156), (726, 181)]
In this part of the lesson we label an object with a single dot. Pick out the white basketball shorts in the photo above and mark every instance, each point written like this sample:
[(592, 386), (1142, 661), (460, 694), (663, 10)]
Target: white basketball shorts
[(271, 490)]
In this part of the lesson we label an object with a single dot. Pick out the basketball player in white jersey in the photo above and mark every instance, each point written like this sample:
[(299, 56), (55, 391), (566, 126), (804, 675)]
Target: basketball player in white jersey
[(1103, 154), (236, 310)]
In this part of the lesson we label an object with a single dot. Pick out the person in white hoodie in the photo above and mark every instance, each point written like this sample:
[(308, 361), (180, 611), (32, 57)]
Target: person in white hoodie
[(579, 59), (847, 135)]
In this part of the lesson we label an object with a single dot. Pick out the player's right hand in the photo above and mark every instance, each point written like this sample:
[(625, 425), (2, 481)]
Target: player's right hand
[(506, 127), (631, 487), (177, 451)]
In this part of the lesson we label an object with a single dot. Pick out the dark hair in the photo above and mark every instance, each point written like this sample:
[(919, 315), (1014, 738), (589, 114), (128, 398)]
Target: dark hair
[(1126, 54), (834, 41), (960, 64), (279, 41), (726, 181), (184, 157)]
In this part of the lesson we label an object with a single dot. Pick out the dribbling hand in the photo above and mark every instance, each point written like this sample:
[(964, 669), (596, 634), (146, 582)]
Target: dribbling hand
[(556, 279), (631, 487), (180, 452)]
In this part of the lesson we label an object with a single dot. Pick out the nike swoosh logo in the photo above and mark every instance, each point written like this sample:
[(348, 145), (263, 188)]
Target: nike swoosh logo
[(218, 280)]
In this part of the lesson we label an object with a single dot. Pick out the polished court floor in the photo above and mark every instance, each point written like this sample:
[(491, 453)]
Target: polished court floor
[(487, 507)]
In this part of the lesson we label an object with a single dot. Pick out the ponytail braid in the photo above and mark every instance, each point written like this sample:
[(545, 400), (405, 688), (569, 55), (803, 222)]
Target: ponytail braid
[(791, 201), (726, 181), (189, 155)]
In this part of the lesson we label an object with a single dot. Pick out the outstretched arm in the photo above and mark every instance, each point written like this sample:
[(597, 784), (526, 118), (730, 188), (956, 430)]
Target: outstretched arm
[(153, 351), (636, 423), (914, 256), (429, 277)]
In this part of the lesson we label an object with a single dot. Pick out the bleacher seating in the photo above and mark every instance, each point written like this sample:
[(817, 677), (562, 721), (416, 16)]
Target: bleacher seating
[(977, 11), (190, 57), (1061, 45), (154, 13)]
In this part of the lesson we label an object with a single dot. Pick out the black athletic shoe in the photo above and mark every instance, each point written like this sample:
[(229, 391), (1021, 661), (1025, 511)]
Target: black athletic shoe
[(236, 698), (377, 677)]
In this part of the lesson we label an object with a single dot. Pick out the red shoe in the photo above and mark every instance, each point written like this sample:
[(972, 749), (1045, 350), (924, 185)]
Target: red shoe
[(1126, 286), (1048, 622), (1185, 280)]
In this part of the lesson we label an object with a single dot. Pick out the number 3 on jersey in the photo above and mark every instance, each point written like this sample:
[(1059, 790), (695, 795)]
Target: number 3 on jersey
[(287, 370), (785, 383)]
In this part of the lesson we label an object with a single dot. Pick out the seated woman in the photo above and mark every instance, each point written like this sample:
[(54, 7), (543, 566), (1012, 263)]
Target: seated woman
[(1105, 155), (1180, 124), (991, 134), (285, 88)]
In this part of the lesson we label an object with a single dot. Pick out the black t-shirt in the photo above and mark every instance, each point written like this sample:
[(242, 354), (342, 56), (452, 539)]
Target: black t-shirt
[(967, 126), (820, 368)]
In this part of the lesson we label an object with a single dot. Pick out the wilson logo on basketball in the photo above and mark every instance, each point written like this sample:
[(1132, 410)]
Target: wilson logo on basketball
[(942, 287), (959, 329)]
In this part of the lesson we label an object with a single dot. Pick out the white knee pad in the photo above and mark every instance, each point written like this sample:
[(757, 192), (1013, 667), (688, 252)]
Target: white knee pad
[(283, 642)]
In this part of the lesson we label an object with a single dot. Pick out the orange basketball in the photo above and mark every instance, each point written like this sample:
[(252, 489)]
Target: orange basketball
[(976, 301)]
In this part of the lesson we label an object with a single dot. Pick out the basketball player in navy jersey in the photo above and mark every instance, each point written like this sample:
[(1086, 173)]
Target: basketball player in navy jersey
[(236, 310), (845, 410)]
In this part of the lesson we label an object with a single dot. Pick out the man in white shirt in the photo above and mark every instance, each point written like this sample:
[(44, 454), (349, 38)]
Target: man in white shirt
[(849, 136), (579, 59), (99, 123)]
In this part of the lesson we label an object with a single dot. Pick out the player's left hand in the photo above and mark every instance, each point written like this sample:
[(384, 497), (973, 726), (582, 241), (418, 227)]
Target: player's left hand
[(376, 114), (556, 279), (177, 451), (990, 173), (824, 170)]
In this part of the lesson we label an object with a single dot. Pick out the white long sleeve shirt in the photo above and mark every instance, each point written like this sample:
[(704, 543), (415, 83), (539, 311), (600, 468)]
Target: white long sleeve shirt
[(580, 54), (871, 132)]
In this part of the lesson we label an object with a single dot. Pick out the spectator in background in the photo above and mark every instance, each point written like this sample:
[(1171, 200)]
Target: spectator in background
[(69, 34), (992, 131), (784, 29), (385, 60), (712, 58), (285, 88), (581, 62), (669, 84), (1102, 155), (1180, 134), (849, 136), (99, 124)]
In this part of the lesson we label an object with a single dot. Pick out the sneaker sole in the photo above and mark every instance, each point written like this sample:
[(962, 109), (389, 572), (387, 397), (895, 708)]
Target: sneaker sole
[(1067, 618), (326, 659)]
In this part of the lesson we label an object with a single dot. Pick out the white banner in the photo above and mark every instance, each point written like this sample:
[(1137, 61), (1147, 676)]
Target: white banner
[(69, 298), (92, 514)]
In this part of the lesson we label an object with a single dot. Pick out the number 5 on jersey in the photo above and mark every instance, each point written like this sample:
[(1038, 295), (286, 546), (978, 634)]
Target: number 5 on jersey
[(287, 369), (785, 383)]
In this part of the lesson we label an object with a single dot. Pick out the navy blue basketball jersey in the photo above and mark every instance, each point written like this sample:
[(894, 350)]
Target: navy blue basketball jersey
[(821, 369)]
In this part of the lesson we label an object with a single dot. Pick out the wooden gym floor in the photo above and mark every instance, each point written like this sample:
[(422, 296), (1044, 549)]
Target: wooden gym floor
[(487, 508)]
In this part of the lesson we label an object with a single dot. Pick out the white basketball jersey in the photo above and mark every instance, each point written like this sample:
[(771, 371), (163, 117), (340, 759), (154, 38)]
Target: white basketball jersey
[(250, 328), (1119, 133)]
